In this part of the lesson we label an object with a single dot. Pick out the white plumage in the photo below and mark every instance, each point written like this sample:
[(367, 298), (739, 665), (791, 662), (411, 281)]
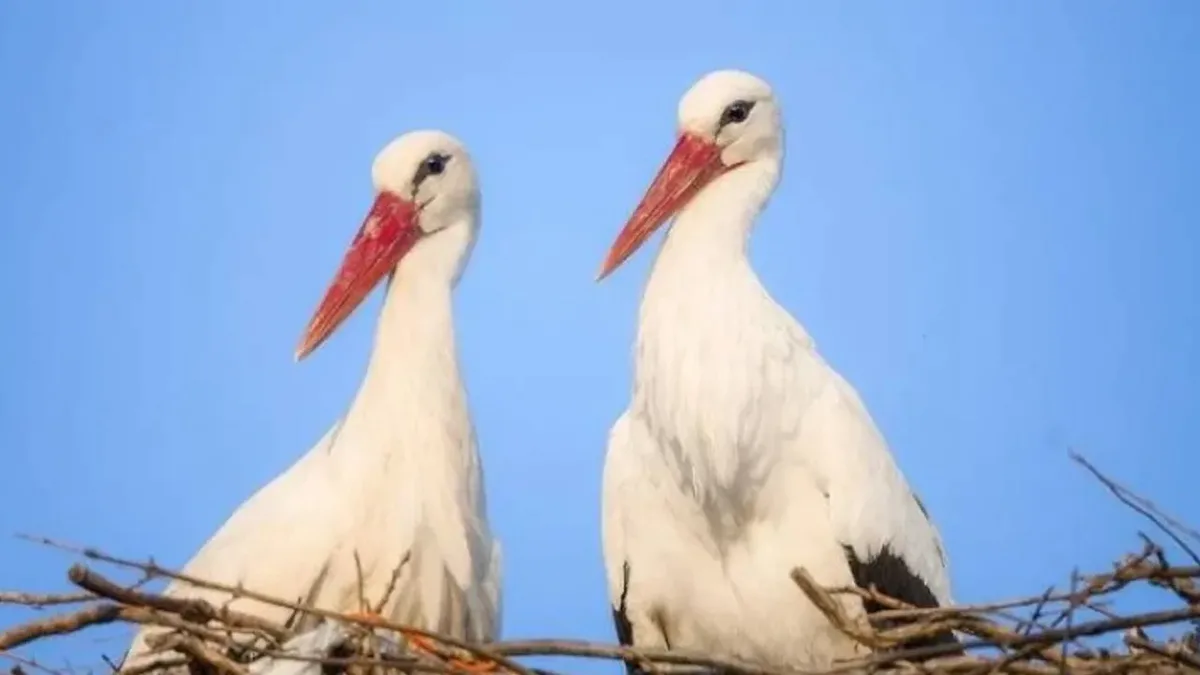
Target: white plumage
[(742, 454), (398, 479)]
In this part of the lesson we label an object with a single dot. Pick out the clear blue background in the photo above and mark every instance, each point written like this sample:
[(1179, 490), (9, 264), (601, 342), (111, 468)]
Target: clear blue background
[(988, 220)]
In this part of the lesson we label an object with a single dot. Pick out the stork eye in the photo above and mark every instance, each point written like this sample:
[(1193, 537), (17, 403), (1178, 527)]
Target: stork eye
[(736, 112), (435, 164)]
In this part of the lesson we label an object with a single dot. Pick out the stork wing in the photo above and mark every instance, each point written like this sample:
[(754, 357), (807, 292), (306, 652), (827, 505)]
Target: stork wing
[(277, 543), (628, 516), (889, 540)]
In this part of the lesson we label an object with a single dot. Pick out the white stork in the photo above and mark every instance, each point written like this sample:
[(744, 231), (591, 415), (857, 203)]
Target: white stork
[(396, 484), (742, 454)]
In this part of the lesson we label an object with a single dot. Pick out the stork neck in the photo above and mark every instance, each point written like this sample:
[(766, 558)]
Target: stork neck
[(705, 323), (414, 341), (707, 245), (412, 391)]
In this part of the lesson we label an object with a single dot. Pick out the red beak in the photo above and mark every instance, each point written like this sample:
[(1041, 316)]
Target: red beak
[(388, 233), (691, 165)]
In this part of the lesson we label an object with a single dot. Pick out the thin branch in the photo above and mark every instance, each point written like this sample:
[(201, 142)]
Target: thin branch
[(42, 600), (152, 569), (192, 609), (28, 663), (391, 587), (211, 637), (580, 648), (158, 664), (59, 625), (1145, 507), (360, 588), (1176, 655), (198, 651)]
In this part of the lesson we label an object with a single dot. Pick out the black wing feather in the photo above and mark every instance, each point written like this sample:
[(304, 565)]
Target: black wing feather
[(621, 621), (619, 613), (892, 576), (624, 626)]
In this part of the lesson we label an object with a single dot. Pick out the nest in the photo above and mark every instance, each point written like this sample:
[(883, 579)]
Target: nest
[(1056, 631)]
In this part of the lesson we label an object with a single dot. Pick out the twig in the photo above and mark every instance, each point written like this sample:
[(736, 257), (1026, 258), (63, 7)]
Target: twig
[(1143, 506), (196, 649), (28, 663), (378, 660), (210, 638), (59, 625), (154, 665), (580, 648), (391, 587), (358, 571), (1027, 626), (833, 610), (40, 600), (1069, 613), (1052, 636), (190, 608), (152, 569), (1173, 654), (151, 617)]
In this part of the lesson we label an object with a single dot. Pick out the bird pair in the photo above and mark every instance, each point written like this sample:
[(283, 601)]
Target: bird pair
[(742, 454)]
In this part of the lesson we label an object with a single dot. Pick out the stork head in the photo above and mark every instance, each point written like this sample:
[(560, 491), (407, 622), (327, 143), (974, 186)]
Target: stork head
[(726, 120), (425, 193)]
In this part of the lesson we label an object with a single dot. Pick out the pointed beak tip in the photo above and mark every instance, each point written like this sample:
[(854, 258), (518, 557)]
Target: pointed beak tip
[(602, 273)]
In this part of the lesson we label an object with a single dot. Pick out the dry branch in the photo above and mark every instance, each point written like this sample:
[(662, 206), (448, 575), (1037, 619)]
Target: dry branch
[(1047, 633), (41, 600), (188, 609), (202, 634), (60, 624), (198, 651)]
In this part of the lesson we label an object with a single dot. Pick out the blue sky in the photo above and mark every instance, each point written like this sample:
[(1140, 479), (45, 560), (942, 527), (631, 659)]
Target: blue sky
[(985, 221)]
